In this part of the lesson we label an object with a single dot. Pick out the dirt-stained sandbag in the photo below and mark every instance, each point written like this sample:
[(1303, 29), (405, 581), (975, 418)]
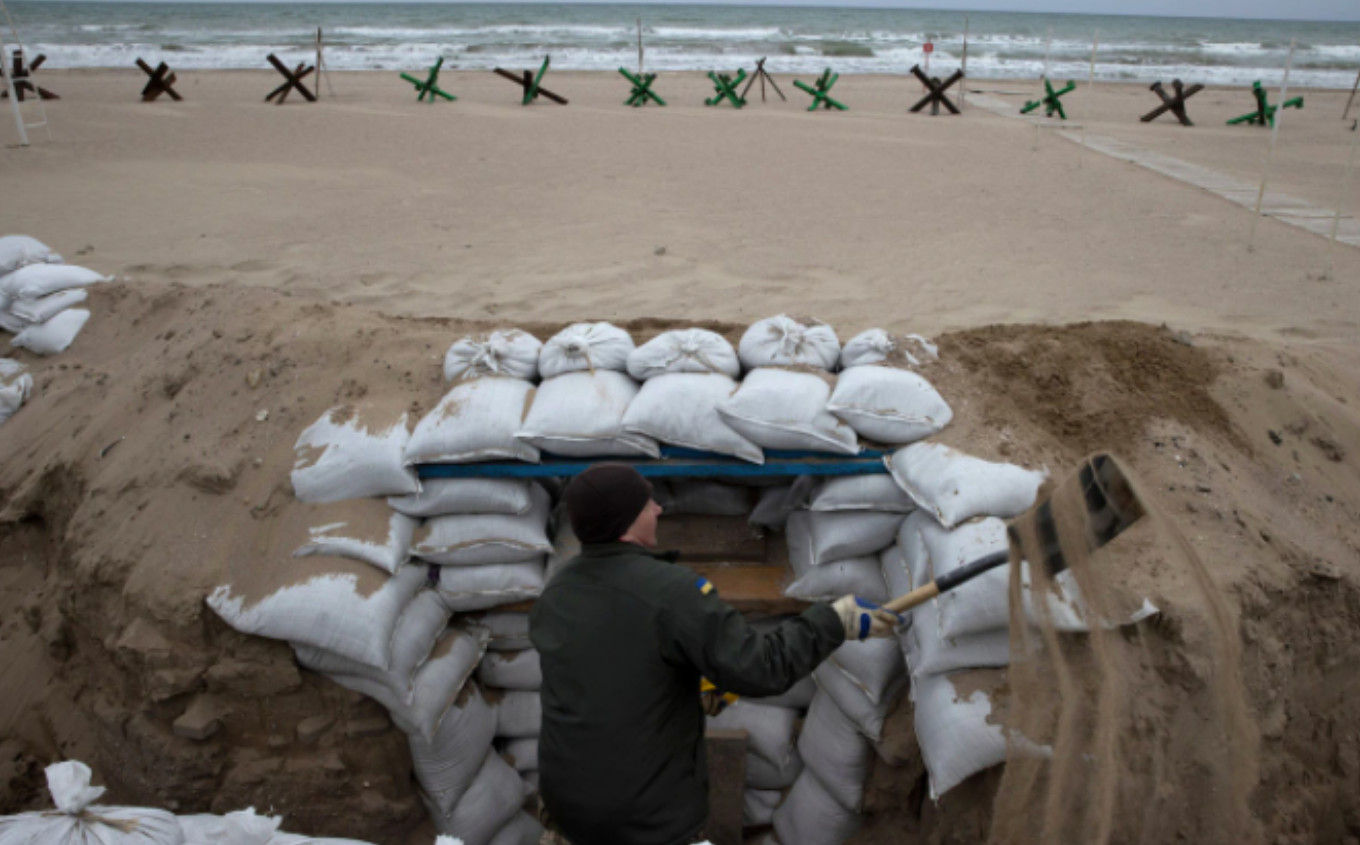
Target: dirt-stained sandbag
[(786, 409), (580, 414), (475, 421), (785, 341), (585, 346), (79, 821), (955, 487), (505, 352), (354, 451), (684, 351), (681, 409)]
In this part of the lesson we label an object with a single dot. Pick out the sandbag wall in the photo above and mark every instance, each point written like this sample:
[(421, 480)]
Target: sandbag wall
[(407, 610)]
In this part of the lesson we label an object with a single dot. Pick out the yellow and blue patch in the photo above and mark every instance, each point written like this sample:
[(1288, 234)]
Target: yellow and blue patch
[(705, 586)]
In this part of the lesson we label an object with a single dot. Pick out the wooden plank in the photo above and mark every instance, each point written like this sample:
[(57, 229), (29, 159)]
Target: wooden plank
[(711, 538), (750, 589), (726, 785)]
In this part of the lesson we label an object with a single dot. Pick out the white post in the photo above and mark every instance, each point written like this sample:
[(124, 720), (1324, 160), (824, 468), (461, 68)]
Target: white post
[(1090, 86), (319, 68), (639, 24), (13, 97), (1048, 51), (1341, 200), (1351, 99), (963, 88), (1270, 151)]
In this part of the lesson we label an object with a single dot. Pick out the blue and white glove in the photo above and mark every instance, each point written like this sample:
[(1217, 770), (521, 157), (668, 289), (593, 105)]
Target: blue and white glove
[(864, 619)]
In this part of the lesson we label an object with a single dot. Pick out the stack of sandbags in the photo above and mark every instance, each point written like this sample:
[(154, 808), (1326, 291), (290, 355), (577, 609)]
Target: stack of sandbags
[(686, 375), (245, 827), (782, 401), (772, 759), (38, 294), (15, 386), (579, 408), (879, 396), (835, 552), (504, 671), (78, 820), (824, 804)]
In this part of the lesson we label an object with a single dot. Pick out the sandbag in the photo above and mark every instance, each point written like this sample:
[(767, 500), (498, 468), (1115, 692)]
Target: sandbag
[(468, 588), (33, 281), (511, 670), (827, 536), (19, 251), (797, 697), (952, 726), (355, 539), (446, 765), (785, 341), (811, 816), (54, 336), (682, 409), (79, 821), (892, 561), (505, 352), (778, 502), (335, 605), (835, 752), (475, 421), (875, 346), (354, 451), (445, 496), (15, 387), (786, 409), (860, 576), (757, 806), (490, 802), (955, 487), (873, 492), (580, 414), (44, 308), (983, 603), (243, 827), (762, 774), (769, 730), (684, 351), (707, 498), (509, 631), (585, 346), (521, 753), (474, 540), (522, 829), (929, 653), (864, 679), (889, 405), (519, 714)]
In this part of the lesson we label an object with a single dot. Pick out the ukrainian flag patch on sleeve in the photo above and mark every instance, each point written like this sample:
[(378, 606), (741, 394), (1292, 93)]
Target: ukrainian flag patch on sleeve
[(705, 586)]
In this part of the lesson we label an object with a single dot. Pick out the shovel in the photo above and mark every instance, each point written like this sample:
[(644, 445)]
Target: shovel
[(1086, 511)]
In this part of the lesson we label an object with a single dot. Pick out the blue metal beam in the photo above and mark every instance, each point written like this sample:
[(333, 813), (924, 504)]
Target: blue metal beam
[(676, 463)]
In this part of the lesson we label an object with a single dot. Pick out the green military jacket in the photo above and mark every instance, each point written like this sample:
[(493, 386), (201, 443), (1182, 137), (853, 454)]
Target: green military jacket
[(624, 636)]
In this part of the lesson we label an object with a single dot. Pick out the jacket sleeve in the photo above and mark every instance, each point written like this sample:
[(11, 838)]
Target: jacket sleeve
[(701, 630)]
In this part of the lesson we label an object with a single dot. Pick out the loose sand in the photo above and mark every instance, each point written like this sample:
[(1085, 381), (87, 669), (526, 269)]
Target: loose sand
[(327, 253)]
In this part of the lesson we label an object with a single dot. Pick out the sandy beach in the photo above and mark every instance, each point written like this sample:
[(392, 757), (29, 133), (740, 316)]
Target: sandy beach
[(273, 262)]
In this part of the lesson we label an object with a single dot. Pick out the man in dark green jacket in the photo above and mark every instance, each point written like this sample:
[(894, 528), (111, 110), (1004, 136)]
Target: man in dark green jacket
[(624, 636)]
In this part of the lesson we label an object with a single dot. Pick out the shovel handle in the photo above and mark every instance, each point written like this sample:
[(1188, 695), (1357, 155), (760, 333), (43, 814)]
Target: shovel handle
[(947, 582)]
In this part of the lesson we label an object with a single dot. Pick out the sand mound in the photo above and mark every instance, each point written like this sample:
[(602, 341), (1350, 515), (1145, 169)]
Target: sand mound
[(161, 443)]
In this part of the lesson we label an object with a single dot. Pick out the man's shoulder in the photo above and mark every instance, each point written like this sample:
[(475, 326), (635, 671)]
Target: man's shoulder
[(639, 573)]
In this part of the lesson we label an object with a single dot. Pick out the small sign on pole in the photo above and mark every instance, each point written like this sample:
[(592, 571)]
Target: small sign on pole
[(928, 48)]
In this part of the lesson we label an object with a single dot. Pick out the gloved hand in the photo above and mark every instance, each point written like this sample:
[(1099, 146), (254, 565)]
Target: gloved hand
[(864, 619)]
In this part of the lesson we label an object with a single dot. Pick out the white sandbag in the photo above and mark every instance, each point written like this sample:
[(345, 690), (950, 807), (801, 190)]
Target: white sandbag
[(875, 346), (354, 451), (835, 752), (585, 346), (888, 404), (45, 308), (580, 414), (873, 492), (444, 496), (434, 688), (243, 827), (79, 821), (54, 336), (797, 697), (475, 421), (490, 802), (347, 538), (955, 487), (864, 679), (892, 561), (762, 774), (983, 603), (11, 322), (509, 631), (811, 816), (929, 653), (827, 536), (446, 765), (506, 352), (684, 351), (785, 341), (38, 280), (511, 670), (769, 730), (682, 409), (777, 503), (786, 409), (521, 753), (519, 714), (347, 607), (522, 829), (467, 588), (859, 576), (707, 498), (15, 387), (478, 539), (757, 806), (20, 250)]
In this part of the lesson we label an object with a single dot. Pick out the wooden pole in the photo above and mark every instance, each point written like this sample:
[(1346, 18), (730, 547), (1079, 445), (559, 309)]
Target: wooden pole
[(1270, 151), (963, 89), (14, 99), (639, 24), (1351, 99), (319, 68), (1341, 200)]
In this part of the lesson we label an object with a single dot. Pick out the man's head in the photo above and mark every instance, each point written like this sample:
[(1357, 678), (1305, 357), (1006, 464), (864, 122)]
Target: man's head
[(612, 502)]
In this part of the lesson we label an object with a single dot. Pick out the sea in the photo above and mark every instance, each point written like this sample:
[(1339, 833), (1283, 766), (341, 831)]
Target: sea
[(581, 36)]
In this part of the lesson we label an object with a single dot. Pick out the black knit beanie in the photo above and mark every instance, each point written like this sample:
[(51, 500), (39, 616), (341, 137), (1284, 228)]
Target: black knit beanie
[(603, 501)]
